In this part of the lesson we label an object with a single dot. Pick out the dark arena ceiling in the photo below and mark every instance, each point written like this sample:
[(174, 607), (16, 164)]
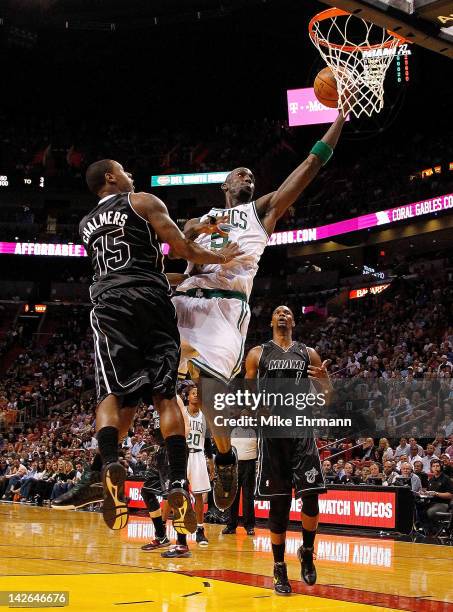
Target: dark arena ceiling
[(122, 13)]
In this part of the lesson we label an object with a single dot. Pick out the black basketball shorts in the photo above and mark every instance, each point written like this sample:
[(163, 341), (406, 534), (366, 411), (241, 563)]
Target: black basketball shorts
[(285, 464), (158, 476), (136, 344)]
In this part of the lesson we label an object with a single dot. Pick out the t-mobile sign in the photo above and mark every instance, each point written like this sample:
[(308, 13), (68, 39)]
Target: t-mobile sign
[(305, 109)]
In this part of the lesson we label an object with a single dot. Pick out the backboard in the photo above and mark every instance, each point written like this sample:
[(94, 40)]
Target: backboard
[(428, 23)]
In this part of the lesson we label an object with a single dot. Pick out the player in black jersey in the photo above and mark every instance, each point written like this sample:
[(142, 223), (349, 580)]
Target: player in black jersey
[(287, 463), (136, 338)]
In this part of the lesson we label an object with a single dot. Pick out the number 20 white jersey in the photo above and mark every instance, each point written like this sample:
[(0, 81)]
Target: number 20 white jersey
[(197, 432)]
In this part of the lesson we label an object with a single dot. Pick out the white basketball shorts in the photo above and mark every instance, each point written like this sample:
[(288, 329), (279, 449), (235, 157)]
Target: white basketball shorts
[(213, 332), (197, 473)]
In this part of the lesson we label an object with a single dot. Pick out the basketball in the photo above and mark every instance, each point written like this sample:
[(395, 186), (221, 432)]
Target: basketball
[(325, 88)]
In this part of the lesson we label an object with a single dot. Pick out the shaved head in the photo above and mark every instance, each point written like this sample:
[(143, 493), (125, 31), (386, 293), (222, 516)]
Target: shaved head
[(95, 174), (108, 176), (239, 186), (236, 171)]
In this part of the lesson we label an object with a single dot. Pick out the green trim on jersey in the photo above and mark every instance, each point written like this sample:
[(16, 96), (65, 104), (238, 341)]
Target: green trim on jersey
[(198, 292), (259, 220), (209, 370)]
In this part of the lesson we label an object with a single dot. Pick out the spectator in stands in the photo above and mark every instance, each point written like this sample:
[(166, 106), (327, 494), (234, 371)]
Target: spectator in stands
[(36, 471), (327, 468), (413, 455), (363, 473), (384, 451), (65, 479), (447, 465), (446, 425), (338, 468), (414, 445), (348, 477), (419, 471), (389, 474), (449, 449), (5, 470), (440, 444), (427, 458), (140, 466), (402, 449), (440, 491), (127, 442), (407, 473), (137, 443), (367, 452), (375, 474), (14, 480), (402, 459)]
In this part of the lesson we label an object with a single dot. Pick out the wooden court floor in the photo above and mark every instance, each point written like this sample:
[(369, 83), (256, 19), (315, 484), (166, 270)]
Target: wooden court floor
[(46, 550)]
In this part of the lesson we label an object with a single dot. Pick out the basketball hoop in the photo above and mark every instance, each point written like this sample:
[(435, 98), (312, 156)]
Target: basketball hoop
[(358, 54)]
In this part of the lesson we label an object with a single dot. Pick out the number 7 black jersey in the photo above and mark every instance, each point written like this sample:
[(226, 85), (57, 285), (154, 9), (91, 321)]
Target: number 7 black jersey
[(277, 363), (123, 247)]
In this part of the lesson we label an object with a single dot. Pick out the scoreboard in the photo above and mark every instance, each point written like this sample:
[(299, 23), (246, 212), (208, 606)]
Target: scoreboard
[(18, 181)]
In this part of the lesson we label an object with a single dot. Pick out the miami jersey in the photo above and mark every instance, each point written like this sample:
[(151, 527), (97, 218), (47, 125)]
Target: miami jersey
[(237, 275)]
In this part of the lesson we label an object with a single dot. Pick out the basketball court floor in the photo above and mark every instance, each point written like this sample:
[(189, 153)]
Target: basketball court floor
[(45, 550)]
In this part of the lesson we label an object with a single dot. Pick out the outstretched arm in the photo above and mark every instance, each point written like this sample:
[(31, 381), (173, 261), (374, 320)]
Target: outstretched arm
[(154, 211), (273, 206)]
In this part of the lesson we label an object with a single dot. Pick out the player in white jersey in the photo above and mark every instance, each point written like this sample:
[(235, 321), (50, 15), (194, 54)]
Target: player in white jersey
[(197, 468), (212, 303)]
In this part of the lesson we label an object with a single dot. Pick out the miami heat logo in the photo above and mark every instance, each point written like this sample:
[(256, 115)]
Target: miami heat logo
[(311, 475)]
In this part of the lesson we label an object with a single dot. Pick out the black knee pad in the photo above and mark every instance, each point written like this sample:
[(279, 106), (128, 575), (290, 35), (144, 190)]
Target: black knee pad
[(150, 499), (279, 513), (310, 505)]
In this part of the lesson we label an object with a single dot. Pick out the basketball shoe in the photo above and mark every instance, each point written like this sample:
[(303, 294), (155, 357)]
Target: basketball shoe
[(308, 569), (114, 509), (226, 483), (200, 537), (156, 543), (184, 519), (177, 552), (281, 582), (87, 491)]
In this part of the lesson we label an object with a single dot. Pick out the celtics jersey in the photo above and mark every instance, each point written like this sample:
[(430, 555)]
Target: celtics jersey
[(197, 432), (238, 274)]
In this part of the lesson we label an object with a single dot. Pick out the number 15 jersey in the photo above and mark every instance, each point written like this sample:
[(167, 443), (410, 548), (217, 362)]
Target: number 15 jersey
[(123, 247)]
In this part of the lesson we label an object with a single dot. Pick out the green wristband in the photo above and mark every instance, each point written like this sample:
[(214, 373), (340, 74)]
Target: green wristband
[(323, 151)]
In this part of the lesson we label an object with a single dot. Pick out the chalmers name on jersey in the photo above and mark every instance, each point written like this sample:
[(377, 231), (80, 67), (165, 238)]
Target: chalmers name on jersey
[(237, 275), (123, 247)]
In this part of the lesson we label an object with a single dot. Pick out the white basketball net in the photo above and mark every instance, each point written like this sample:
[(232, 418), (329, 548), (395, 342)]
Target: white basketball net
[(359, 54)]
